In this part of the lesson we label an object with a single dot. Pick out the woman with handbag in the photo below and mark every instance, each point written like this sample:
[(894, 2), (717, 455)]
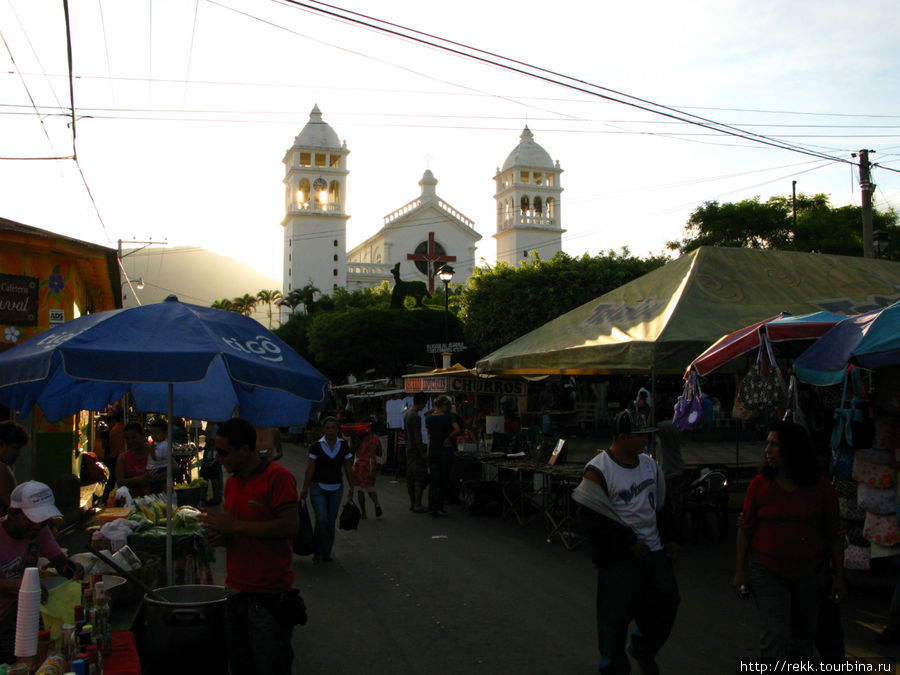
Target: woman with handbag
[(324, 484), (365, 469), (790, 524)]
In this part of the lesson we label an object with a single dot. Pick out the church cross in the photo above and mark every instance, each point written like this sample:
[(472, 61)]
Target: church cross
[(431, 257)]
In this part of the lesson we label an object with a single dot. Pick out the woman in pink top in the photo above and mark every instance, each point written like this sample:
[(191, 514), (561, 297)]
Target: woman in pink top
[(790, 527)]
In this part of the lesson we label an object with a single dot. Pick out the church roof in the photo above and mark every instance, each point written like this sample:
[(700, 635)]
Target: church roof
[(528, 153), (317, 133)]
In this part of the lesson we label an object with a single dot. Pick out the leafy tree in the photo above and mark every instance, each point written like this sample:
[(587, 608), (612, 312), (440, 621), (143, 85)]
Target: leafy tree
[(268, 298), (375, 338), (499, 304), (224, 304), (244, 304), (754, 224)]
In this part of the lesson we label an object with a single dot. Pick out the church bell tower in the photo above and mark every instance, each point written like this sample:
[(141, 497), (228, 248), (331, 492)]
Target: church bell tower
[(315, 221)]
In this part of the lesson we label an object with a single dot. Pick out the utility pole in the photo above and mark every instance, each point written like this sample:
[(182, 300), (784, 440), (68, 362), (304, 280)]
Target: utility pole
[(794, 212), (866, 187)]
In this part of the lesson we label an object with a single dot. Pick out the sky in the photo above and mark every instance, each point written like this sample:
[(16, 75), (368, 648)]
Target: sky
[(185, 108)]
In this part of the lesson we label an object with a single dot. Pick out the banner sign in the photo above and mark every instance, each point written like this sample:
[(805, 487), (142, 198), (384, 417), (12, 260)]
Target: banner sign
[(465, 385), (446, 347), (18, 300)]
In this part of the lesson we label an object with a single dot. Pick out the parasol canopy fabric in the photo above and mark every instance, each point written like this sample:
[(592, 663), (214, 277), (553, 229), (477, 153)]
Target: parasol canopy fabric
[(783, 327), (215, 360), (871, 340)]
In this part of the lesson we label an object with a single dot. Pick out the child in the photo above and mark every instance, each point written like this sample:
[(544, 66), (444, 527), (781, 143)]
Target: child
[(365, 467), (159, 450)]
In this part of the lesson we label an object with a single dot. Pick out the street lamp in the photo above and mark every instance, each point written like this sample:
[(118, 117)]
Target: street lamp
[(446, 275), (880, 241), (138, 284)]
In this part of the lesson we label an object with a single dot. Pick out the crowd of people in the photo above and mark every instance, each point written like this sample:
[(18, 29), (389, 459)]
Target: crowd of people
[(789, 555)]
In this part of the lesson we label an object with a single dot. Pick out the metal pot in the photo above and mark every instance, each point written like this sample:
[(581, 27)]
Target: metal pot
[(184, 634)]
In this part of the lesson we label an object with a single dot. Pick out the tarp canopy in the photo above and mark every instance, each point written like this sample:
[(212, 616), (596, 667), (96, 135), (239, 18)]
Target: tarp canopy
[(664, 319)]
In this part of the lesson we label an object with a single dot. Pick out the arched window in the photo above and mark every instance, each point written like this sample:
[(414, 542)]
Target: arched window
[(335, 242), (551, 207), (334, 192), (335, 257), (303, 194), (537, 206), (524, 204), (334, 272)]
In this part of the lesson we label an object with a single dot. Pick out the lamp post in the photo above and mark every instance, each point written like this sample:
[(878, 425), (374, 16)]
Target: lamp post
[(881, 239), (446, 274)]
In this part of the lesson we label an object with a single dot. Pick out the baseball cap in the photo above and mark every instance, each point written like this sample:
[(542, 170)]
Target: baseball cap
[(628, 422), (36, 501)]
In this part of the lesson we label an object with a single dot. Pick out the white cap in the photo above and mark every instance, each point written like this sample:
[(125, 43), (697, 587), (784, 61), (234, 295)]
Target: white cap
[(36, 501)]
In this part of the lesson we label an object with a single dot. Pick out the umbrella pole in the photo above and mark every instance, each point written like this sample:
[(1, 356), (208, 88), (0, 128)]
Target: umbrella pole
[(170, 567)]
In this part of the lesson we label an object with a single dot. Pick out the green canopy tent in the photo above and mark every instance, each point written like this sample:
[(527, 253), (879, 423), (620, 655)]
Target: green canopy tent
[(661, 321)]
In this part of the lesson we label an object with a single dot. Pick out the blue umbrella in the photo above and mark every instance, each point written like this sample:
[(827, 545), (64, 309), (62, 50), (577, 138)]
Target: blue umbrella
[(187, 360), (216, 361), (871, 340)]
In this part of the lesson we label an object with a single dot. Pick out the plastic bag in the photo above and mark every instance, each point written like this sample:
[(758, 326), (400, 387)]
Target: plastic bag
[(350, 516), (303, 542)]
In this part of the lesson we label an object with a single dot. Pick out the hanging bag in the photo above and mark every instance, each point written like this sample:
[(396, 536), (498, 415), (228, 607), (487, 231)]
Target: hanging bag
[(853, 427), (688, 413), (303, 542), (763, 387)]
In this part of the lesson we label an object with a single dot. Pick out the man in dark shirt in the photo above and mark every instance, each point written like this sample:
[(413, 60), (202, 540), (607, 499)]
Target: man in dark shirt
[(416, 455), (442, 432)]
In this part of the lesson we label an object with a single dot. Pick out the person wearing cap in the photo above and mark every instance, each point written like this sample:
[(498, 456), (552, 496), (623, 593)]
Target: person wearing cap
[(24, 538), (634, 541), (13, 438)]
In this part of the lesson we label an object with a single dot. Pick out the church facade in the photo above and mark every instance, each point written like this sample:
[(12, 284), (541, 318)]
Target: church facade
[(416, 239)]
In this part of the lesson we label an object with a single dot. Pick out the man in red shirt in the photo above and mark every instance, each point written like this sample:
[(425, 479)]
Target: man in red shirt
[(256, 528)]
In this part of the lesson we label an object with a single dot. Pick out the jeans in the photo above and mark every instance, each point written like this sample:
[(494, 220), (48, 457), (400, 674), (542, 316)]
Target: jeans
[(257, 643), (788, 611), (326, 505), (644, 590), (440, 464)]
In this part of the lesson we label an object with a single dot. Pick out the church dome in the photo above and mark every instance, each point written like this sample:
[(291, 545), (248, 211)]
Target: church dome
[(528, 153), (317, 133)]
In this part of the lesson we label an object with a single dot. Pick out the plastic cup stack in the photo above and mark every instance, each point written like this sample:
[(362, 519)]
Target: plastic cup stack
[(28, 613)]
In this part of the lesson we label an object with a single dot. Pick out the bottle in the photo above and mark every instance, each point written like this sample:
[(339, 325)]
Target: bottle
[(68, 642), (43, 646), (104, 640), (79, 613), (93, 655), (79, 666)]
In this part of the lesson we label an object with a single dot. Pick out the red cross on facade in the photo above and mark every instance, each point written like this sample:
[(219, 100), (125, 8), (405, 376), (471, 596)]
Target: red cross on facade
[(431, 257)]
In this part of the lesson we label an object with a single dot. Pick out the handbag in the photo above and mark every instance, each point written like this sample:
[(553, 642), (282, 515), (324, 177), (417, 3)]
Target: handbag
[(875, 473), (763, 387), (853, 427), (688, 413), (880, 529), (350, 516), (857, 558), (876, 500), (303, 542)]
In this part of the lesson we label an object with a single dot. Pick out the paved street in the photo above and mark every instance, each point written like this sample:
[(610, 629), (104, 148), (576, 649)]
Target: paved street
[(408, 593)]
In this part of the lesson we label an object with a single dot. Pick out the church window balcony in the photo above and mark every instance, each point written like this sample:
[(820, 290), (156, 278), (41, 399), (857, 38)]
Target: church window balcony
[(305, 159), (320, 159), (334, 161), (551, 180), (551, 207), (524, 177), (538, 205), (538, 178), (524, 204)]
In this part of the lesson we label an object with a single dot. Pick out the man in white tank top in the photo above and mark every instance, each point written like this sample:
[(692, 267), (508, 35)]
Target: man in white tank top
[(634, 540)]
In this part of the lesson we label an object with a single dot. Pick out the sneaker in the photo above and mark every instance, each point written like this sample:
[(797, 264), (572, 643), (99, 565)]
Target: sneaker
[(646, 664), (889, 636)]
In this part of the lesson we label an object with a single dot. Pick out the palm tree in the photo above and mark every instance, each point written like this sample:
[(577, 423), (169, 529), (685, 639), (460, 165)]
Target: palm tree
[(307, 296), (268, 297), (244, 304), (292, 300), (224, 304)]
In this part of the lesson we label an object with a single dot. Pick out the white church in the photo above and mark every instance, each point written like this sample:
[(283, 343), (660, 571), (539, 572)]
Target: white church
[(420, 236)]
